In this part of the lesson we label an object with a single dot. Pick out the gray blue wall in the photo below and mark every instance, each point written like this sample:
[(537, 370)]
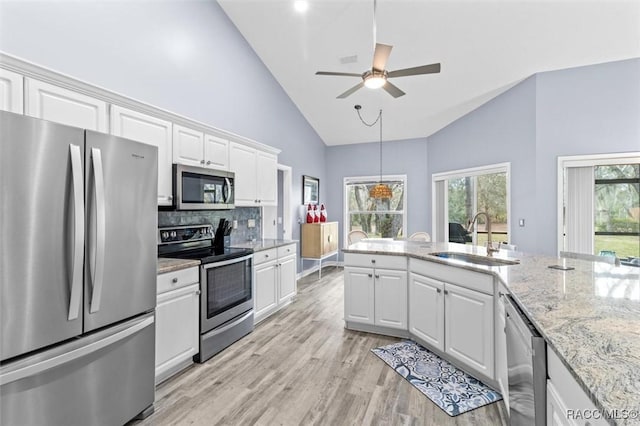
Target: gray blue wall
[(186, 57), (585, 110)]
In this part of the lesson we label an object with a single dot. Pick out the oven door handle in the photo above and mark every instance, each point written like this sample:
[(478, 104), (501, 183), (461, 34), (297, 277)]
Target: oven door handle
[(220, 330), (227, 262)]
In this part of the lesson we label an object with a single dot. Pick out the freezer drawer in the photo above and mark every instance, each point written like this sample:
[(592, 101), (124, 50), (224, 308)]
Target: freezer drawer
[(105, 378)]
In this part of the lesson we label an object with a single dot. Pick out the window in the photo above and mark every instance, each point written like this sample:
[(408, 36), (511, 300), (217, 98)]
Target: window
[(617, 210), (378, 218), (598, 208), (460, 195)]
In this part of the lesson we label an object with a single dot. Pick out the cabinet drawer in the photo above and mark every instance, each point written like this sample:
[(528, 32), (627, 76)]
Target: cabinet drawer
[(177, 279), (375, 261), (287, 250), (265, 256), (472, 280)]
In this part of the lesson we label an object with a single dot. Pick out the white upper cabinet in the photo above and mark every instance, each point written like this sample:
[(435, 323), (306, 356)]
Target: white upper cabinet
[(11, 92), (194, 148), (216, 152), (153, 131), (256, 175), (53, 103), (188, 146), (267, 184)]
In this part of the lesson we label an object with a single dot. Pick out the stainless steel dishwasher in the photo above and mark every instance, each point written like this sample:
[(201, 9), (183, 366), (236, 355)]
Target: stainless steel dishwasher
[(527, 368)]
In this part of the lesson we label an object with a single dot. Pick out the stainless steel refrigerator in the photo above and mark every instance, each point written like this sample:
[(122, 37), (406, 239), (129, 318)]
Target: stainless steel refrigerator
[(78, 224)]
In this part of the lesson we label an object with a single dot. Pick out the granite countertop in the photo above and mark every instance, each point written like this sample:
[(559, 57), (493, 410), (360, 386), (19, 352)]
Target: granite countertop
[(589, 316), (169, 265), (264, 244)]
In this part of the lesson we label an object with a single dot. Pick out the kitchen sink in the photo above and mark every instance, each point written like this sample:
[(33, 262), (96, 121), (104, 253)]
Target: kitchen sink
[(475, 259)]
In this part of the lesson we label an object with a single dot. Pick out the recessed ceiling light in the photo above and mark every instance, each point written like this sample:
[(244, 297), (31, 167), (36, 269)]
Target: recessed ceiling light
[(301, 5)]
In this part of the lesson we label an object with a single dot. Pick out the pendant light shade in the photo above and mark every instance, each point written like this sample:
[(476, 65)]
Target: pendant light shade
[(381, 191)]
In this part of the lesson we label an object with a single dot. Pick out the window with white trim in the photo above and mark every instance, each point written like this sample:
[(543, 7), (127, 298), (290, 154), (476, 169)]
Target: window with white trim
[(459, 195), (378, 218)]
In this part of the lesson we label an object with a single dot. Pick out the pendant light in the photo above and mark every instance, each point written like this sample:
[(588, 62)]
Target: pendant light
[(381, 191)]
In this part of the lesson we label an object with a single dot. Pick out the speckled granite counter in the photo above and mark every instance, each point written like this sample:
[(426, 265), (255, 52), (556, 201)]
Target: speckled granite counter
[(589, 316), (169, 265), (265, 244)]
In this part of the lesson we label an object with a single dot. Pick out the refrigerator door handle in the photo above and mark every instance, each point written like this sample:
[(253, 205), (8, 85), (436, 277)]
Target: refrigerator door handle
[(78, 231), (56, 361), (98, 270)]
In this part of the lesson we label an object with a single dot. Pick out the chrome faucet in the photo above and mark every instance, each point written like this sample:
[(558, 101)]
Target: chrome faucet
[(490, 249)]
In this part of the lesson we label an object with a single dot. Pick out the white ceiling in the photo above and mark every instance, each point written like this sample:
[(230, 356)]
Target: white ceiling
[(484, 47)]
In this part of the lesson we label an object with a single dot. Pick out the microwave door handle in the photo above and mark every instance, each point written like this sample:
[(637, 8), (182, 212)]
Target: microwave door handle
[(226, 190), (78, 231), (98, 271)]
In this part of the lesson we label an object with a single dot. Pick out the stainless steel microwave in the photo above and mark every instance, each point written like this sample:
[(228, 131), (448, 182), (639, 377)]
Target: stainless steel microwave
[(197, 188)]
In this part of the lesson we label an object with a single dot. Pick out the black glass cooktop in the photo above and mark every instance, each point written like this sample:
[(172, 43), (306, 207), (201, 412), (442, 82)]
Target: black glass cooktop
[(209, 255)]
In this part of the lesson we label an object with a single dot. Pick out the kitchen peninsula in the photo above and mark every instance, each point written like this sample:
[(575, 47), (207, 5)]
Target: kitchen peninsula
[(589, 316)]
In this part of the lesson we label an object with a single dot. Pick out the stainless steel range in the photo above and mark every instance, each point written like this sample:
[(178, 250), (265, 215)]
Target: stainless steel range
[(226, 290)]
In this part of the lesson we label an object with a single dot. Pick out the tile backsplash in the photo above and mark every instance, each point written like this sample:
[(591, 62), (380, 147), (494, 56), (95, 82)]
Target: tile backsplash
[(196, 217)]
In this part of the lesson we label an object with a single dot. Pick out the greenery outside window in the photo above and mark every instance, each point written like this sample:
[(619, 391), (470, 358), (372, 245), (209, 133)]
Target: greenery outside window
[(459, 195), (617, 210), (377, 218)]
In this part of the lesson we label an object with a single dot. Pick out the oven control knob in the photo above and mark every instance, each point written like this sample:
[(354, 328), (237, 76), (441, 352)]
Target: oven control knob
[(173, 234), (164, 235)]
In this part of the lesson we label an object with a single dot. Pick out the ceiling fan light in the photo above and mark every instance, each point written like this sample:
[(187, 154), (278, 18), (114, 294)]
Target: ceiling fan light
[(375, 82)]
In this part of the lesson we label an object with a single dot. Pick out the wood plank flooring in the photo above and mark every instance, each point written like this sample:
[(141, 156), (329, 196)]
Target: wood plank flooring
[(301, 367)]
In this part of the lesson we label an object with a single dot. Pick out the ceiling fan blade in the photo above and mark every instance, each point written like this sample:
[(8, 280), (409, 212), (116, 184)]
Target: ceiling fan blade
[(350, 91), (393, 90), (381, 55), (345, 74), (423, 69)]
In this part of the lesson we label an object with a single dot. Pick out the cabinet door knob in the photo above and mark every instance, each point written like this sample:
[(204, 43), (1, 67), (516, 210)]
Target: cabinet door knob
[(377, 276), (208, 162), (500, 294), (174, 280), (198, 292), (373, 261), (446, 292), (201, 161), (438, 290), (370, 275)]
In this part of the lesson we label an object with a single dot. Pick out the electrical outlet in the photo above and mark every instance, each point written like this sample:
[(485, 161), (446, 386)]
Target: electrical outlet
[(251, 223), (521, 222), (235, 224)]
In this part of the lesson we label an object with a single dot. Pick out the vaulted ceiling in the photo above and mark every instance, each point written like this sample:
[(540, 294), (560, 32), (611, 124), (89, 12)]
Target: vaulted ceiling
[(484, 47)]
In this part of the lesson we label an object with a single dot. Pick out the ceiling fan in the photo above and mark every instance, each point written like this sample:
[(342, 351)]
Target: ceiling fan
[(378, 76)]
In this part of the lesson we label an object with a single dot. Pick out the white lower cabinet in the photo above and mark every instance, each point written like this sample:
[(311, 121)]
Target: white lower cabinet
[(275, 280), (266, 294), (567, 403), (375, 295), (426, 307), (468, 327), (177, 321), (451, 310)]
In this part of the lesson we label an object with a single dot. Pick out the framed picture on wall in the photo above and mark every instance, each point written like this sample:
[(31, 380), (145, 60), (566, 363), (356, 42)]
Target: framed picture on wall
[(310, 190)]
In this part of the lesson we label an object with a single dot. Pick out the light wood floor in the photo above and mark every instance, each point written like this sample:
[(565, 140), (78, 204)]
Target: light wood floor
[(301, 366)]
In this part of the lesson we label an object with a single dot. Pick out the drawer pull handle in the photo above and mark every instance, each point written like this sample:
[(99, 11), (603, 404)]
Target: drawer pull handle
[(373, 261), (266, 255), (174, 280)]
